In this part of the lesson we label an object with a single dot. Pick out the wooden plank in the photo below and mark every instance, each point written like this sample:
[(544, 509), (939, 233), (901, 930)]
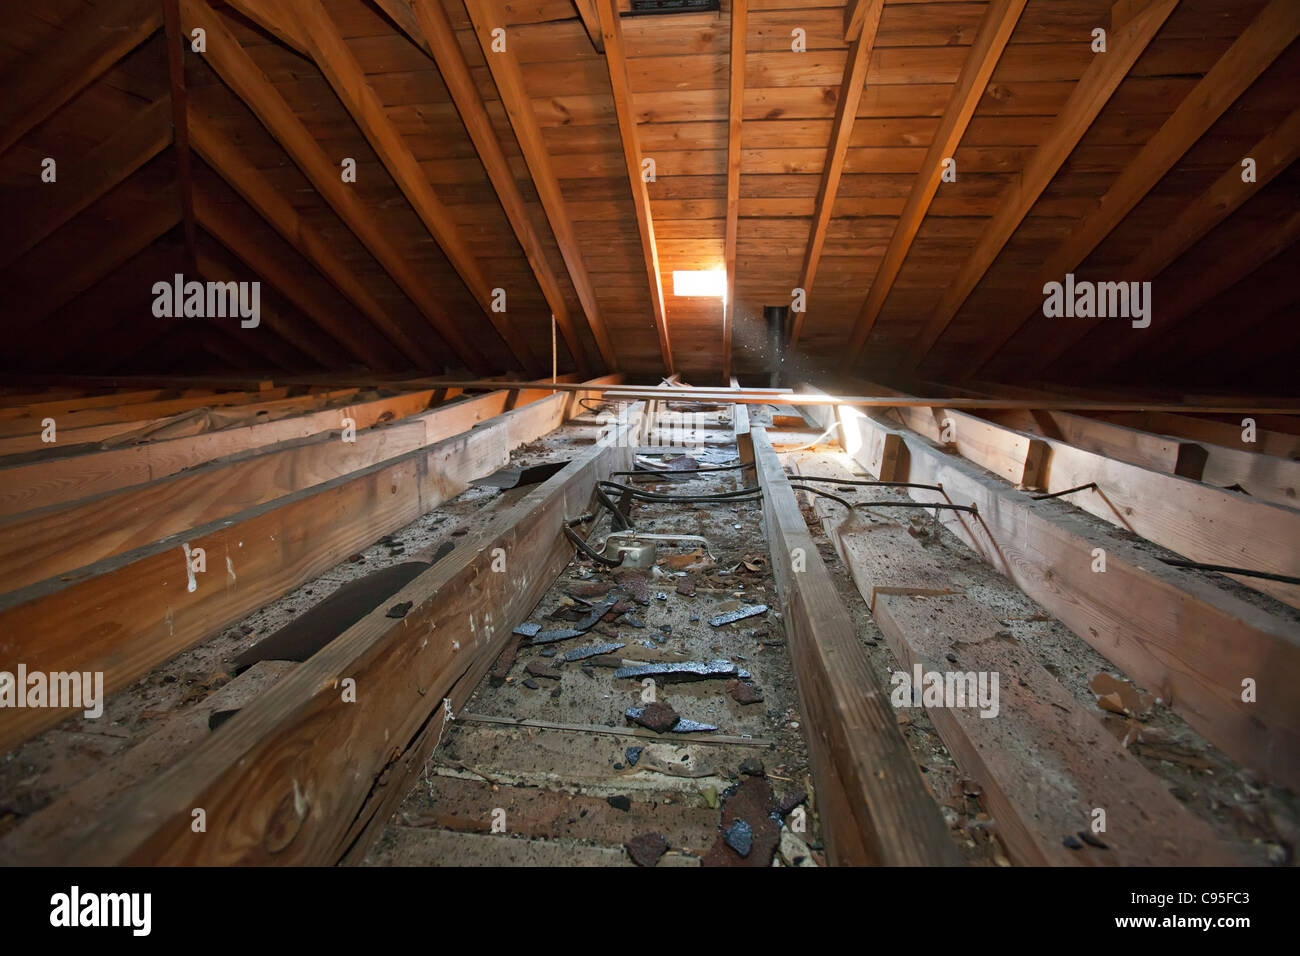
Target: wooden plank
[(144, 606), (1045, 762), (1271, 32), (523, 120), (735, 112), (251, 85), (591, 22), (53, 74), (433, 33), (1176, 633), (260, 193), (346, 760), (621, 87), (85, 179), (1093, 91), (874, 806), (140, 411), (1276, 444), (867, 13)]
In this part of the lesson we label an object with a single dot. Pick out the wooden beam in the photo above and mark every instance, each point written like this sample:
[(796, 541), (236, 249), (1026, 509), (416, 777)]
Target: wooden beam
[(999, 22), (148, 605), (85, 179), (591, 22), (735, 112), (846, 111), (1091, 93), (1175, 633), (621, 87), (433, 33), (317, 30), (1198, 521), (257, 190), (40, 83), (1183, 424), (509, 80), (1271, 32), (251, 85), (176, 43), (409, 687), (874, 807), (1272, 154), (55, 481)]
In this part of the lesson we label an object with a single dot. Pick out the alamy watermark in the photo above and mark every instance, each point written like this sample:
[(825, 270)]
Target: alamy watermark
[(208, 300), (77, 690), (1098, 300), (951, 689)]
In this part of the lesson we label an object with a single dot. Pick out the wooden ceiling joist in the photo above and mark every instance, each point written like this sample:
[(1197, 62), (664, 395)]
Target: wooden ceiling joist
[(95, 40), (251, 85), (311, 24), (866, 16), (85, 179), (1000, 20), (621, 87), (509, 80), (1092, 92), (428, 26), (735, 113), (257, 190), (1269, 34)]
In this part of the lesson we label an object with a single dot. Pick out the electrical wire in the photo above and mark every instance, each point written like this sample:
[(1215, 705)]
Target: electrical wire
[(1224, 569)]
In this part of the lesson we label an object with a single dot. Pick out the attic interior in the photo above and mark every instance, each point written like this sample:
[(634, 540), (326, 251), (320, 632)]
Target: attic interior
[(650, 433)]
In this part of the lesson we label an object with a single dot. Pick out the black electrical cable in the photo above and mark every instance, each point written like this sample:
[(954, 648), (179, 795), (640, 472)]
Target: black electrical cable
[(1224, 569), (595, 411), (742, 493), (873, 484), (941, 505), (588, 550), (1090, 486)]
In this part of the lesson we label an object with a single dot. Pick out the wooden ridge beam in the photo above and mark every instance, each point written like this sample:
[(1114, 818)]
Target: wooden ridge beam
[(509, 80), (1271, 32), (313, 26), (427, 25), (1093, 91), (51, 482), (874, 806), (621, 87), (257, 190), (735, 113), (867, 14), (1176, 633), (233, 64), (85, 179), (147, 605), (291, 738), (48, 78), (999, 23), (223, 224)]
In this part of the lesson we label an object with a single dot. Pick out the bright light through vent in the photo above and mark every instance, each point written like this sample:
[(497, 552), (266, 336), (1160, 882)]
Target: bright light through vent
[(711, 283)]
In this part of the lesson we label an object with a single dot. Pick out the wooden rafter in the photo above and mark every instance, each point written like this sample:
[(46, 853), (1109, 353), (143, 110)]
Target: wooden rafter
[(1198, 290), (999, 22), (509, 80), (250, 84), (621, 87), (38, 85), (222, 223), (258, 191), (1092, 92), (735, 112), (1271, 32), (176, 43), (591, 22), (312, 29), (846, 111), (147, 134), (431, 30), (1272, 154)]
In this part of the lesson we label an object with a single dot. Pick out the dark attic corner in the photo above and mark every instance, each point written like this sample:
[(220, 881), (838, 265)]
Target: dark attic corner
[(776, 433)]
